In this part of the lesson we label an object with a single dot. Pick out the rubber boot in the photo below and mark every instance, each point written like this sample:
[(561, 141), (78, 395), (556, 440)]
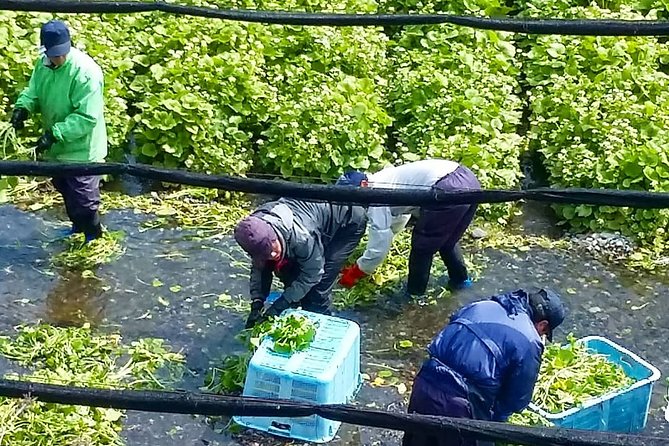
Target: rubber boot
[(89, 222), (458, 277)]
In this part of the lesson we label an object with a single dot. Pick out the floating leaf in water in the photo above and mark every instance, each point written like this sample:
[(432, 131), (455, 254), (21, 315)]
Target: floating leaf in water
[(405, 344), (163, 301), (156, 283), (175, 288)]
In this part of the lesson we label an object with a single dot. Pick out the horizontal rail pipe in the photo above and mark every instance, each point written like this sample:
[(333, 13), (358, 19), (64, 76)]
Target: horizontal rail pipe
[(584, 27), (220, 405), (342, 194)]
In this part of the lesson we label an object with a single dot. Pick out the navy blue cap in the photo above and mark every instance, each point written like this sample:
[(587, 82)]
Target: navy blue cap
[(547, 305), (351, 178), (55, 38)]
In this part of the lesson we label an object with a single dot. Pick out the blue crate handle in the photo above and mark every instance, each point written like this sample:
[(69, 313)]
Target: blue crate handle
[(281, 429)]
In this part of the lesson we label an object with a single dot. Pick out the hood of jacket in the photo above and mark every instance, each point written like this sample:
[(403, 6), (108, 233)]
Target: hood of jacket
[(515, 303)]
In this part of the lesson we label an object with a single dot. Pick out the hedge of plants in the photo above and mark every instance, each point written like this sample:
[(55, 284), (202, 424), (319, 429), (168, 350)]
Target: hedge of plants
[(600, 115), (220, 96), (454, 95)]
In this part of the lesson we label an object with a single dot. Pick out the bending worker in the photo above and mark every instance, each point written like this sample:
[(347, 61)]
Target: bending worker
[(305, 244), (66, 88), (438, 228), (484, 363)]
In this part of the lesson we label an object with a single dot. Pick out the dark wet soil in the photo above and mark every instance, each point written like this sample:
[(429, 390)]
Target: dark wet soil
[(625, 306)]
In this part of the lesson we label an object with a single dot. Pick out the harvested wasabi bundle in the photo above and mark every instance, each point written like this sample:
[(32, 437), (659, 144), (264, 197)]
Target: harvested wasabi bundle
[(11, 146), (81, 255), (571, 375), (290, 333)]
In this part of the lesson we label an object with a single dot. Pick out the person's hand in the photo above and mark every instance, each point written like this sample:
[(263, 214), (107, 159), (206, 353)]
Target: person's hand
[(351, 275), (45, 142), (18, 117), (255, 314), (277, 307)]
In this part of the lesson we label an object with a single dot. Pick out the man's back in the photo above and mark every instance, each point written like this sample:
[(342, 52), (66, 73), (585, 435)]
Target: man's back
[(494, 346), (311, 219)]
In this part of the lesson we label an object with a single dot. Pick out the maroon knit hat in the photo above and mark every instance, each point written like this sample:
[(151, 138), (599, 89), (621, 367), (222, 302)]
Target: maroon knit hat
[(256, 237)]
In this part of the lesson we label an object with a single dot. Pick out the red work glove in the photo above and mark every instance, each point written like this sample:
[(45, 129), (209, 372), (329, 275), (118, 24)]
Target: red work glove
[(350, 276)]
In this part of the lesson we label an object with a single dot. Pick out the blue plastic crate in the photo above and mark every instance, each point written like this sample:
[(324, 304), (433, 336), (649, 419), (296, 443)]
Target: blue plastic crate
[(622, 411), (328, 372)]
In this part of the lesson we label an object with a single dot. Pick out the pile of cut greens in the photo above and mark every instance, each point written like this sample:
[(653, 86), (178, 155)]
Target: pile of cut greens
[(78, 357), (80, 255), (570, 375), (207, 211), (290, 333)]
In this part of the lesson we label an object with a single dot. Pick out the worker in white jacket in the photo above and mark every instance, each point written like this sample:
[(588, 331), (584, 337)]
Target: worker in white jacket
[(438, 228)]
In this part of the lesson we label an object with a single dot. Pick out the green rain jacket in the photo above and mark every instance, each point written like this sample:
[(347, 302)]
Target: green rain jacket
[(70, 99)]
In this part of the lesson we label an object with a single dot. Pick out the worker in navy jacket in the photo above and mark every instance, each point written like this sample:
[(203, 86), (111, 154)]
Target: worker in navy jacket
[(485, 362)]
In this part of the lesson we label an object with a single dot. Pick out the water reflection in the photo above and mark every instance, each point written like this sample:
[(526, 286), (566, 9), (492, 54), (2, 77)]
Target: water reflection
[(135, 297), (75, 300)]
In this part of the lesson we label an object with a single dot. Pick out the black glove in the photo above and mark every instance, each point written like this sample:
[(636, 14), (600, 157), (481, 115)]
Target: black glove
[(19, 115), (254, 315), (45, 142), (277, 307)]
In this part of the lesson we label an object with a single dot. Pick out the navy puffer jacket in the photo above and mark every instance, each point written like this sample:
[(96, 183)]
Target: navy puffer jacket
[(495, 347)]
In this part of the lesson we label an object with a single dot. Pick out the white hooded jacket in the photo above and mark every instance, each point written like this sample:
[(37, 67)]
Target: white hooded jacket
[(385, 222)]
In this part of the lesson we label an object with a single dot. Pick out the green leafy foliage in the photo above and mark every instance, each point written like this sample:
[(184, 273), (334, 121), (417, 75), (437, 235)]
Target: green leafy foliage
[(221, 96), (77, 356), (323, 125), (19, 33), (290, 333), (229, 377), (600, 118), (82, 255), (454, 95), (199, 94), (570, 375), (10, 145), (329, 112)]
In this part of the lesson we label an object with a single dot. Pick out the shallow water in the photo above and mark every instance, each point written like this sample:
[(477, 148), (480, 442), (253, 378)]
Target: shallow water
[(624, 306)]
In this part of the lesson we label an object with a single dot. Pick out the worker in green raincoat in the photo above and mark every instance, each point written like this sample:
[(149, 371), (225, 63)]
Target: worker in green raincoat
[(66, 88)]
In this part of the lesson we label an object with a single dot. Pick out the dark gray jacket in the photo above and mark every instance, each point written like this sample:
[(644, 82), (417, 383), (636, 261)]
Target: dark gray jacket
[(317, 238)]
